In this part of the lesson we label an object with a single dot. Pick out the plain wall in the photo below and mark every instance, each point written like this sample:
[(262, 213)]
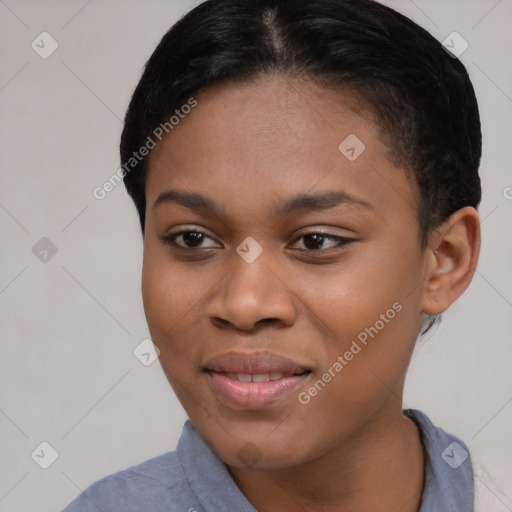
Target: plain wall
[(69, 325)]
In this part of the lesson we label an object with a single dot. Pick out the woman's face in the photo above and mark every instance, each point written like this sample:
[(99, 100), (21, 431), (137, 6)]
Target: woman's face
[(287, 312)]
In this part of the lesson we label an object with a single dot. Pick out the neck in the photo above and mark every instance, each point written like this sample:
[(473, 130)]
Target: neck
[(381, 467)]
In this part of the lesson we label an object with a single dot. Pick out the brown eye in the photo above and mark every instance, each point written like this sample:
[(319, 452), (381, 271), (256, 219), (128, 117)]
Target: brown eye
[(315, 241), (188, 239)]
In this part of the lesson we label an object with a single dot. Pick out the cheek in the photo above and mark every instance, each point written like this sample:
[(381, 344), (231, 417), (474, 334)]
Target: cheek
[(362, 292), (167, 294), (373, 320), (173, 295), (167, 298)]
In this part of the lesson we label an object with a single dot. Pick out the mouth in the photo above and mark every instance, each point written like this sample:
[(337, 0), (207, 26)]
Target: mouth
[(254, 381), (261, 377)]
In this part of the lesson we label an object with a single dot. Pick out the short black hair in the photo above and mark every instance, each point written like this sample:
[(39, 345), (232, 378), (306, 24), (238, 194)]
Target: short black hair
[(420, 95)]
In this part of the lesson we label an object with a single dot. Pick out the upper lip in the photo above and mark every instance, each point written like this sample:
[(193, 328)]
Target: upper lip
[(254, 363)]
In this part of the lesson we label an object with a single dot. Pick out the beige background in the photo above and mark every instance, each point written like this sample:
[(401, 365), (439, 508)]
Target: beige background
[(69, 326)]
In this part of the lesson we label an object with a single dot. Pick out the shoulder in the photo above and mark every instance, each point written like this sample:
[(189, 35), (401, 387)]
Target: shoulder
[(156, 484), (448, 468), (439, 444)]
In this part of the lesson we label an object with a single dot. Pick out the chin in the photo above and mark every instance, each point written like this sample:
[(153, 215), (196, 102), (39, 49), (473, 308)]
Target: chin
[(260, 449)]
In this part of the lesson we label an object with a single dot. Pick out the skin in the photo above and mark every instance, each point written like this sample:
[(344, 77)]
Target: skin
[(250, 147)]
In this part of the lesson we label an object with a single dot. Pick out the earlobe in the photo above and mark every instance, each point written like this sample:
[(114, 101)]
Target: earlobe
[(452, 254)]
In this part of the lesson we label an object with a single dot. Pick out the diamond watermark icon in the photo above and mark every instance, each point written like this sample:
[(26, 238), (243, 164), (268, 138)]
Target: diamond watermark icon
[(249, 249), (454, 455), (146, 352), (44, 45), (249, 455), (352, 147), (44, 455), (455, 45), (44, 250)]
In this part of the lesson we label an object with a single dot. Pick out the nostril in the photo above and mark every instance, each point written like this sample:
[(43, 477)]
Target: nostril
[(267, 320), (220, 322)]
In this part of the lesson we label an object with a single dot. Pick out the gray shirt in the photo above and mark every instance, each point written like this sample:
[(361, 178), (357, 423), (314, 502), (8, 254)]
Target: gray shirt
[(194, 479)]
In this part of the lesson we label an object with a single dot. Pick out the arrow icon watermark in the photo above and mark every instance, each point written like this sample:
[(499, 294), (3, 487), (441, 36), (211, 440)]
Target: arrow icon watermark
[(44, 455), (351, 147), (455, 45), (44, 250), (146, 352), (44, 45), (249, 249)]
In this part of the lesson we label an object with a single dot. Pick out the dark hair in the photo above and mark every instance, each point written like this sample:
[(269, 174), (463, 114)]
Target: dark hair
[(420, 95)]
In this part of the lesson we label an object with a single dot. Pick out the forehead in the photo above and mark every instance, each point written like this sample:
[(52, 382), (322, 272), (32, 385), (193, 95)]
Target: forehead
[(252, 143)]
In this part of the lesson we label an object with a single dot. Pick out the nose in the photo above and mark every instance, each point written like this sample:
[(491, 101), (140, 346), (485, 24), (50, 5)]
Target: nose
[(251, 296)]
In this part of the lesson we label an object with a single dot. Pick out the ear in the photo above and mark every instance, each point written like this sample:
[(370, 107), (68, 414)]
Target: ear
[(452, 256)]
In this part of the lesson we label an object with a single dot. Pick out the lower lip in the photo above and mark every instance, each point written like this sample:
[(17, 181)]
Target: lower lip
[(253, 395)]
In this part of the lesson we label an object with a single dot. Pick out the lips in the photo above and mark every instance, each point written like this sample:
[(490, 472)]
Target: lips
[(254, 363), (254, 380)]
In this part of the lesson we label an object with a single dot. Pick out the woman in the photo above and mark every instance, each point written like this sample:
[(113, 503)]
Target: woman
[(306, 177)]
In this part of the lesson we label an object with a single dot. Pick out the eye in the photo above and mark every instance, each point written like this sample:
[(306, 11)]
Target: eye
[(188, 239), (315, 241), (196, 239)]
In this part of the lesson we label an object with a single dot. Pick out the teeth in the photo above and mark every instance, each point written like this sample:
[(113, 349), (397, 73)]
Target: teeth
[(261, 377), (256, 377)]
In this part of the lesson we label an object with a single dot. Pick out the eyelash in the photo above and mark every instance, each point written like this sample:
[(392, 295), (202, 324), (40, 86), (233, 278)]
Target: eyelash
[(171, 240)]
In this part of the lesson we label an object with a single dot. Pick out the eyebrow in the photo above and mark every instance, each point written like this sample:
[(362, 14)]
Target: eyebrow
[(303, 203)]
